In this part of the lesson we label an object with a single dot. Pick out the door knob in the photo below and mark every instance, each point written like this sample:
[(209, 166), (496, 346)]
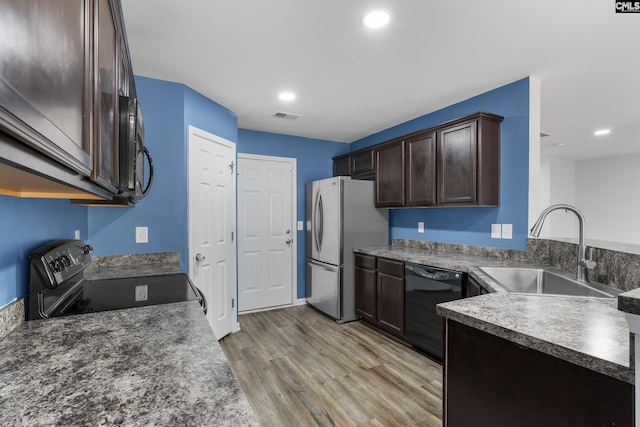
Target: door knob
[(200, 257), (289, 241)]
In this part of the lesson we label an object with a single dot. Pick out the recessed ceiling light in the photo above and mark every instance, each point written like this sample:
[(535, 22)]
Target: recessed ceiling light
[(376, 19), (602, 132), (287, 96)]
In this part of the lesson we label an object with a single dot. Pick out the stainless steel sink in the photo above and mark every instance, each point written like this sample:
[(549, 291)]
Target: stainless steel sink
[(546, 281)]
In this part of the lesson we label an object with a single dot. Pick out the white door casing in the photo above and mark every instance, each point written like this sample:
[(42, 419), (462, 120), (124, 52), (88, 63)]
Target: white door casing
[(211, 225), (266, 232)]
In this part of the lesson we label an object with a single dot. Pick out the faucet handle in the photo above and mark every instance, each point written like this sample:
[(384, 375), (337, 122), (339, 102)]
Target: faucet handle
[(589, 264)]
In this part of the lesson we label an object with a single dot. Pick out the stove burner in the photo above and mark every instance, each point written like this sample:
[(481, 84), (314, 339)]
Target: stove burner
[(57, 286)]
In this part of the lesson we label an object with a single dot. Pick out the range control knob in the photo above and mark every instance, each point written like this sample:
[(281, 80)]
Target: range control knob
[(86, 249), (57, 265), (66, 261)]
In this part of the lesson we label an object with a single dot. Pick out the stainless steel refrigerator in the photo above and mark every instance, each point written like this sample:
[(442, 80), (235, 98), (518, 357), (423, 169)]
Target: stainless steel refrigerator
[(340, 216)]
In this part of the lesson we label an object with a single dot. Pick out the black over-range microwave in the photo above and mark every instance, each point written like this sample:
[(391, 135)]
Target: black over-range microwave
[(132, 151)]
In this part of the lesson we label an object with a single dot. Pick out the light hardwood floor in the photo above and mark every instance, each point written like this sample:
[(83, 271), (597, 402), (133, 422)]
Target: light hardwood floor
[(299, 368)]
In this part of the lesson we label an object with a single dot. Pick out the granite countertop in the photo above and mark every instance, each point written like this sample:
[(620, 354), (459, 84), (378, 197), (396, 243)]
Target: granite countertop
[(629, 302), (589, 332), (154, 365), (134, 265)]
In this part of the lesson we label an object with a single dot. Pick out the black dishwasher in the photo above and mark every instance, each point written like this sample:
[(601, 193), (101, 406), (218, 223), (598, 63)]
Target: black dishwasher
[(424, 288)]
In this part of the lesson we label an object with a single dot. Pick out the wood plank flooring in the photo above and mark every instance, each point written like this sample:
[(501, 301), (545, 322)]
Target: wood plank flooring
[(299, 368)]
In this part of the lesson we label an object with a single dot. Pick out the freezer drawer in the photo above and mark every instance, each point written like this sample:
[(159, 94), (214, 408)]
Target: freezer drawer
[(324, 288)]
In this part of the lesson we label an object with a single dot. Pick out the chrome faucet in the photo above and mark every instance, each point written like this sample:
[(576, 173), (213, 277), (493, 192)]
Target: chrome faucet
[(583, 262)]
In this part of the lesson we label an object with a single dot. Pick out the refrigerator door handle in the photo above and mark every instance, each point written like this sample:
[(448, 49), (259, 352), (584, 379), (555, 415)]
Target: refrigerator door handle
[(320, 205), (315, 222)]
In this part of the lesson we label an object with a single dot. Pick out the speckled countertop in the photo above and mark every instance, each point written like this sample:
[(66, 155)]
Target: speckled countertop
[(629, 302), (589, 332), (157, 365), (134, 265)]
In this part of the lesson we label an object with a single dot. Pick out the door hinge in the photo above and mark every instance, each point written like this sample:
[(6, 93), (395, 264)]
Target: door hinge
[(232, 236), (233, 302)]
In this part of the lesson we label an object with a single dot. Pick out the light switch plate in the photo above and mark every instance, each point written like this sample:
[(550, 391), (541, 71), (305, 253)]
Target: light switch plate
[(496, 231), (300, 225), (420, 227), (142, 235), (507, 231)]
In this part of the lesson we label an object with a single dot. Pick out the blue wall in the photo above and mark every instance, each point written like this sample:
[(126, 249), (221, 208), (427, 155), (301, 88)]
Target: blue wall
[(26, 225), (168, 109), (472, 225), (313, 160)]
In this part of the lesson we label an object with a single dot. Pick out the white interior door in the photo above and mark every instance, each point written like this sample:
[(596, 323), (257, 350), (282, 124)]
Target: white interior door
[(212, 218), (266, 246)]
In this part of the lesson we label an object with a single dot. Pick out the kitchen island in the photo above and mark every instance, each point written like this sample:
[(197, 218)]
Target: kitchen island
[(157, 365)]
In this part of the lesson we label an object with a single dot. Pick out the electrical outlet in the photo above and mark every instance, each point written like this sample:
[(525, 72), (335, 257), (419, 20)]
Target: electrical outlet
[(507, 231), (77, 234), (142, 235), (300, 225), (496, 231), (420, 227), (142, 293)]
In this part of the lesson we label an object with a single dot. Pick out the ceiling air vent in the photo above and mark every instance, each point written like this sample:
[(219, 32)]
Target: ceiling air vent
[(288, 116)]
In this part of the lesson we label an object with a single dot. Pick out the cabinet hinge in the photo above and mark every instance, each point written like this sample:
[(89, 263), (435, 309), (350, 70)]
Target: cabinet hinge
[(233, 302)]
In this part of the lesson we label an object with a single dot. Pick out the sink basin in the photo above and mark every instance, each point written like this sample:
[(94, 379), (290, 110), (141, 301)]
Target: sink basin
[(546, 281)]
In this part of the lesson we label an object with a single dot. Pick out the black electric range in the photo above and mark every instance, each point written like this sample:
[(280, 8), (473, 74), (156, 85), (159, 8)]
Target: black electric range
[(57, 286)]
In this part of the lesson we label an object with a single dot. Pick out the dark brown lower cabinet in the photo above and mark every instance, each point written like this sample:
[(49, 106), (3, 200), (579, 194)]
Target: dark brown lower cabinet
[(490, 381), (379, 286), (391, 296)]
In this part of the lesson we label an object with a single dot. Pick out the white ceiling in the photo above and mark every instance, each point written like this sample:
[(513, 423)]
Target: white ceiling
[(352, 82)]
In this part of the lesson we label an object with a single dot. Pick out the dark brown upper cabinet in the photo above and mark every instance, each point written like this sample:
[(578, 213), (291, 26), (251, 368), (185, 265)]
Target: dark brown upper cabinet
[(390, 174), (363, 164), (453, 164), (468, 162), (107, 81), (342, 166), (63, 67), (359, 164), (420, 155), (44, 72)]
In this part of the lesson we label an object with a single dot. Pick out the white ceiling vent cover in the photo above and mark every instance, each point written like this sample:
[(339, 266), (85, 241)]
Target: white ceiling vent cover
[(287, 116)]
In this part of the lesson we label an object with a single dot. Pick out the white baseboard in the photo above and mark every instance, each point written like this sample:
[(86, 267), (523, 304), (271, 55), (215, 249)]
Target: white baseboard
[(300, 301)]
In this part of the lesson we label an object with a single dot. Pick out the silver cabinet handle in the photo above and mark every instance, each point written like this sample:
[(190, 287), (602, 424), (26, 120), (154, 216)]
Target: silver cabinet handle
[(200, 257)]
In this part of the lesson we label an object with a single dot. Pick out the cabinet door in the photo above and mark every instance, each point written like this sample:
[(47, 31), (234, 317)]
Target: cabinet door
[(363, 164), (106, 67), (390, 175), (490, 381), (44, 70), (420, 153), (457, 164), (342, 166), (366, 294), (391, 303)]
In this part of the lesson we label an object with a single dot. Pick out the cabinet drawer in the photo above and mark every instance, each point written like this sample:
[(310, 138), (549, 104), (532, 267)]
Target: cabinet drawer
[(366, 261), (391, 267)]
